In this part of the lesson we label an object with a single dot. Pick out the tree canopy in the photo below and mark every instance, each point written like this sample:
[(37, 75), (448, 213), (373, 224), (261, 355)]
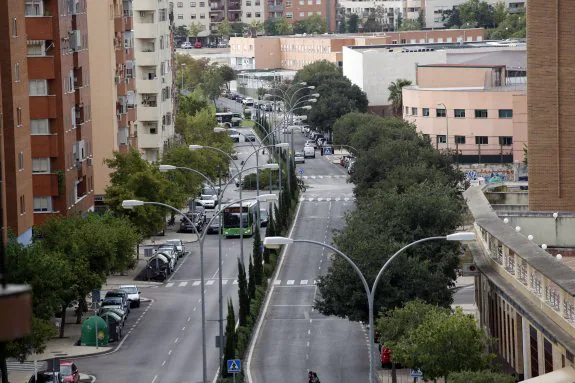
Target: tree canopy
[(279, 26), (353, 23), (311, 25)]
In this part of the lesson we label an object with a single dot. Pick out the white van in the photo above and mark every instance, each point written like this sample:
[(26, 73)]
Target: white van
[(248, 101), (309, 152)]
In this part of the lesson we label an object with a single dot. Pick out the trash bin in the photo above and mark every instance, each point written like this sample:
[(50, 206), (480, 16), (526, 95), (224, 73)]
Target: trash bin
[(92, 327)]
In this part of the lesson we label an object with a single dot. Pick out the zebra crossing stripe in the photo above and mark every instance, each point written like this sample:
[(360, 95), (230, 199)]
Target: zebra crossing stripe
[(346, 199), (170, 284), (210, 282), (235, 282), (224, 281), (303, 282), (337, 198), (290, 282), (183, 284), (277, 282), (196, 283), (319, 199)]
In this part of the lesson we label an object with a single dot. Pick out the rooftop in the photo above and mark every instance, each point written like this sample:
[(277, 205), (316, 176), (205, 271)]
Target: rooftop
[(360, 35), (490, 45), (461, 66)]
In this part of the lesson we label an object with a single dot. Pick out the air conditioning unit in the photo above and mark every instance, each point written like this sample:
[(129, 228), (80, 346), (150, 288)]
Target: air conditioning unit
[(90, 161), (469, 270)]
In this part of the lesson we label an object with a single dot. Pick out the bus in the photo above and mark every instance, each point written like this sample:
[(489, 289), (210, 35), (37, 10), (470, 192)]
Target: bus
[(232, 219), (225, 118)]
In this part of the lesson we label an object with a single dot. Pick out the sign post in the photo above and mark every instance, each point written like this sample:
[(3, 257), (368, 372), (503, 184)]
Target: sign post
[(415, 374), (234, 367)]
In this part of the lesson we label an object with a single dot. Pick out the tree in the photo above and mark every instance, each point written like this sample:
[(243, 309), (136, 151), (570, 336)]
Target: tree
[(411, 25), (182, 31), (192, 70), (452, 18), (195, 29), (311, 25), (251, 280), (258, 266), (192, 103), (371, 24), (243, 294), (476, 13), (270, 27), (231, 338), (133, 177), (484, 376), (212, 83), (500, 12), (341, 22), (396, 96), (255, 27), (224, 28), (228, 74), (353, 23), (238, 28), (442, 344), (283, 27), (512, 27)]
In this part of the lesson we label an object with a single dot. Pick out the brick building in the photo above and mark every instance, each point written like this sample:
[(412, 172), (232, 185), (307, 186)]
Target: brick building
[(551, 105), (15, 154)]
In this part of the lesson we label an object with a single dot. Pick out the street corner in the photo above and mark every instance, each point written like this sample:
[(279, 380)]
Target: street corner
[(87, 378)]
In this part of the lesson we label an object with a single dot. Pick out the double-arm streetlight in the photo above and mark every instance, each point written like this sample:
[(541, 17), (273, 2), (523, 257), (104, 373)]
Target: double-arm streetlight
[(130, 204), (275, 242)]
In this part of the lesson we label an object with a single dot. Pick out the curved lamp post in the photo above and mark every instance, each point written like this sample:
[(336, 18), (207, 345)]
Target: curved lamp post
[(275, 242), (130, 204)]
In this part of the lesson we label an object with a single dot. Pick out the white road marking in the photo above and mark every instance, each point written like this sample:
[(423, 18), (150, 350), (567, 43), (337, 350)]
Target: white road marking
[(183, 284), (277, 282), (155, 378), (163, 363), (290, 282), (308, 332), (303, 282), (235, 282), (195, 308), (170, 352), (189, 319), (169, 284), (177, 340), (210, 282), (197, 283), (224, 281), (216, 273), (184, 328)]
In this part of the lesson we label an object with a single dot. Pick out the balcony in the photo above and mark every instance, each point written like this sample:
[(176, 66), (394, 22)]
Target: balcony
[(146, 31), (148, 58), (216, 8), (120, 55), (42, 107), (128, 23), (118, 24), (45, 146), (132, 114), (145, 5), (45, 184), (275, 8), (148, 140), (129, 51), (234, 6), (122, 120), (39, 28), (122, 87), (81, 168), (148, 113), (41, 67), (149, 86), (131, 84), (216, 19)]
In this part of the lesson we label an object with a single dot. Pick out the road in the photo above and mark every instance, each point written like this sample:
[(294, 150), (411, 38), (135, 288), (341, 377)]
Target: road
[(165, 346)]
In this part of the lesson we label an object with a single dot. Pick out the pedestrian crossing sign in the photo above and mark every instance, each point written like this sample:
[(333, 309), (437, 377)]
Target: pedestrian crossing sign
[(234, 366)]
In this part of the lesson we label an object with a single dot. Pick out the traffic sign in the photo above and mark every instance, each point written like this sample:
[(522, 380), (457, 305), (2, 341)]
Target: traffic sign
[(300, 171), (327, 151), (416, 373), (234, 366)]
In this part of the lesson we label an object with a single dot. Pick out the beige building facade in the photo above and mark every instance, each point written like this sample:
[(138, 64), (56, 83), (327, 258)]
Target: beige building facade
[(470, 109), (295, 52)]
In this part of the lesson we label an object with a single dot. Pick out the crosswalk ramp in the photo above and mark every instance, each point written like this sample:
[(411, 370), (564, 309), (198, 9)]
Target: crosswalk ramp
[(215, 281), (14, 365)]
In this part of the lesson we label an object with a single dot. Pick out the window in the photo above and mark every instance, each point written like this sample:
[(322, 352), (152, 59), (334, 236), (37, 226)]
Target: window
[(192, 4), (22, 205), (440, 113), (289, 15), (17, 72), (161, 42), (193, 17), (248, 3), (414, 111), (426, 138), (441, 138), (38, 87), (459, 113), (480, 113), (163, 14), (34, 8), (505, 140), (318, 13), (407, 110), (425, 112), (460, 139), (39, 127), (302, 14), (481, 140), (21, 161), (42, 204), (309, 2), (248, 14), (40, 165), (202, 4), (18, 116), (548, 355), (301, 2), (14, 27), (310, 14), (258, 14), (318, 2), (180, 4), (180, 16), (202, 15), (288, 3), (505, 113)]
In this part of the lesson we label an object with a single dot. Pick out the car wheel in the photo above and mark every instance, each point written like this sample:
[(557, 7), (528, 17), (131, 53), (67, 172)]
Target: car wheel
[(138, 304)]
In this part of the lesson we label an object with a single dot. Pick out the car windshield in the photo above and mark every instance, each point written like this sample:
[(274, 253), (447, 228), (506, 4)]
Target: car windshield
[(112, 301), (299, 154), (216, 221), (130, 290), (233, 220), (177, 242), (263, 214), (66, 370)]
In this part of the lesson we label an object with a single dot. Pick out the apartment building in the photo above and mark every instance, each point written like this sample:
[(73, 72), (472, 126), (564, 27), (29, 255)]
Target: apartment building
[(551, 106), (475, 111), (389, 12), (60, 107), (296, 10), (153, 53), (110, 24), (15, 152)]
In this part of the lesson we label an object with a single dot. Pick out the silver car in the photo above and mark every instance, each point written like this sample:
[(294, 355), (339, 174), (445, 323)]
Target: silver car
[(299, 158)]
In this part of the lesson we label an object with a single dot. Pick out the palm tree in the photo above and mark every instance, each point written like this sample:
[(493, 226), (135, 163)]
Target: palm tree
[(395, 95)]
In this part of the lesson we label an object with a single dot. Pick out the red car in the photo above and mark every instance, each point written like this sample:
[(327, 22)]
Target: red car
[(197, 45), (385, 358), (69, 371)]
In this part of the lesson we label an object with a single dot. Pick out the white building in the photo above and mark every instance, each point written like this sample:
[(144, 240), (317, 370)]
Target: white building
[(188, 12), (435, 9), (155, 122), (392, 9), (373, 69)]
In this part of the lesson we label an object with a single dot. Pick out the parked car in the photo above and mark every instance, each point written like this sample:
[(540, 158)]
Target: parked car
[(69, 371), (119, 294), (234, 155), (350, 169), (234, 135), (133, 294), (248, 101), (179, 246), (309, 152), (268, 107), (223, 44), (208, 201), (197, 220), (196, 206), (299, 157), (215, 226), (264, 218), (187, 45), (250, 137), (310, 143), (117, 310), (198, 44), (237, 122), (47, 377)]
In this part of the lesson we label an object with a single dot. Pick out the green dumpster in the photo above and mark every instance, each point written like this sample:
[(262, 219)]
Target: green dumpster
[(92, 326)]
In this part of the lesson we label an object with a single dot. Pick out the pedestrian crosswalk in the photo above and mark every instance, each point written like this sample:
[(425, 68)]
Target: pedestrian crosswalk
[(14, 365), (305, 198), (322, 177), (215, 281)]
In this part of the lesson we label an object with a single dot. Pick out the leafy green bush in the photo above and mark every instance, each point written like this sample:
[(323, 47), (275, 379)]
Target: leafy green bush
[(480, 377), (243, 336), (250, 180)]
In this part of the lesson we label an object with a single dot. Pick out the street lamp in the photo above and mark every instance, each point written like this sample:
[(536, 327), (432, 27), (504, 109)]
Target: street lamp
[(275, 242), (446, 125)]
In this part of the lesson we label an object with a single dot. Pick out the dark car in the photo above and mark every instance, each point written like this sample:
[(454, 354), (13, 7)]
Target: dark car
[(198, 220), (264, 218), (119, 294), (214, 226), (69, 371), (250, 137), (46, 377), (115, 302)]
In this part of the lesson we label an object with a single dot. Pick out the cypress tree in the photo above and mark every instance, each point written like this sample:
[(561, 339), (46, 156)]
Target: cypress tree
[(230, 346), (278, 219), (251, 280), (244, 298), (258, 266)]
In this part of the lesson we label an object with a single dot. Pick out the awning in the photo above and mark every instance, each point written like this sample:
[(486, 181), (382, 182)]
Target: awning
[(564, 375)]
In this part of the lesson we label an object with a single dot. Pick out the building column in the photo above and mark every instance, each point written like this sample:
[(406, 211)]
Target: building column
[(525, 333)]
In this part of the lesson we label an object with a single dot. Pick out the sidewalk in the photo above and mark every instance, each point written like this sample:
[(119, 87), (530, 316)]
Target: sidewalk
[(403, 376), (337, 154)]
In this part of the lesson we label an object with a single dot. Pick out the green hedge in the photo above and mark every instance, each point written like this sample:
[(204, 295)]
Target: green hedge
[(250, 180)]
